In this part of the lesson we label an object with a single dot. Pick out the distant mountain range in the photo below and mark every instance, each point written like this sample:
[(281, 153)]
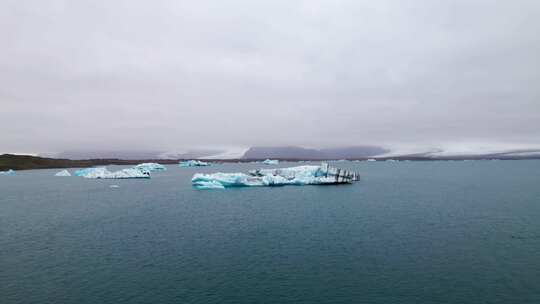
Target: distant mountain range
[(301, 153), (126, 155), (292, 152), (134, 155), (285, 152), (87, 159)]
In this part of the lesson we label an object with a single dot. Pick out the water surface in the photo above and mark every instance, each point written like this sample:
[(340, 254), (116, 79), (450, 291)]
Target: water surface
[(409, 232)]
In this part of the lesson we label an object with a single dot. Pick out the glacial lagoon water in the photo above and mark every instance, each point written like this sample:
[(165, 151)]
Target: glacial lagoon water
[(408, 232)]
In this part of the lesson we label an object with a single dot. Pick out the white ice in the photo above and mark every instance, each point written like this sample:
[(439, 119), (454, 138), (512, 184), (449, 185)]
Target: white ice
[(150, 167), (63, 173), (103, 173), (193, 163), (301, 175), (270, 162), (8, 172)]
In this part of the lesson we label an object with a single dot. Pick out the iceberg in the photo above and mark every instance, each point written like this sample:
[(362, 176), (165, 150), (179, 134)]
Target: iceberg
[(89, 171), (270, 162), (63, 173), (224, 180), (8, 172), (301, 175), (193, 163), (103, 173), (127, 173), (150, 167)]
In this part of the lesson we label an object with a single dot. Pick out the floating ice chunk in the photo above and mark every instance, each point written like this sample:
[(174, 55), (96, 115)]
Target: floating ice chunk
[(193, 163), (8, 172), (292, 172), (63, 173), (301, 175), (127, 173), (90, 171), (223, 180), (371, 160), (114, 186), (102, 172), (270, 162), (210, 184), (150, 167)]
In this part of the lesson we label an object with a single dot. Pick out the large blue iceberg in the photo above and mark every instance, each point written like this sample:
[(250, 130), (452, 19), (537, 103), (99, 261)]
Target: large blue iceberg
[(301, 175), (63, 173), (8, 172), (150, 167), (103, 173), (193, 163)]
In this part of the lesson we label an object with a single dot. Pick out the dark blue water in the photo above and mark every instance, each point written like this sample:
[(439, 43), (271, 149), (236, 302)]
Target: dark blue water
[(409, 232)]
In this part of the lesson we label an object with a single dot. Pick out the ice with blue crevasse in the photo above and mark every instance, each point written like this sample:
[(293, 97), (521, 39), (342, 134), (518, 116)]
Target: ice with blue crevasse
[(63, 173), (150, 167), (8, 172), (193, 163), (103, 173), (270, 162), (301, 175), (87, 171), (139, 171)]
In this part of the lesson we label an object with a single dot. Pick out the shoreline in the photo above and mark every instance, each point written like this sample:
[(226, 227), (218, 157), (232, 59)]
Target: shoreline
[(26, 162)]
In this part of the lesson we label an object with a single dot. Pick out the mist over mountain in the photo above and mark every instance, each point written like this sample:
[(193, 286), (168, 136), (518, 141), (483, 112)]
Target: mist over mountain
[(78, 155), (293, 152), (194, 153), (188, 154), (298, 152)]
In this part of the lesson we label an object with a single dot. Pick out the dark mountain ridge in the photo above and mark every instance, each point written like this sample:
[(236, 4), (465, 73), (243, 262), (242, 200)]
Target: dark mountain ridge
[(293, 152), (25, 162)]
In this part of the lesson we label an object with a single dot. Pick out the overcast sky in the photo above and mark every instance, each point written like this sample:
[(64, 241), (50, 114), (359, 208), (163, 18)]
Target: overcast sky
[(172, 75)]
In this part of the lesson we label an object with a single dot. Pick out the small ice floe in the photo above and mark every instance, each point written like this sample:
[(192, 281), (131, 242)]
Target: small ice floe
[(103, 173), (150, 167), (193, 163), (270, 162), (8, 172), (114, 186), (63, 173), (301, 175), (371, 159)]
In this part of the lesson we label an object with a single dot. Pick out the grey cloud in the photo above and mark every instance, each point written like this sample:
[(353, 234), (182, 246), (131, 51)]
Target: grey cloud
[(173, 75)]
